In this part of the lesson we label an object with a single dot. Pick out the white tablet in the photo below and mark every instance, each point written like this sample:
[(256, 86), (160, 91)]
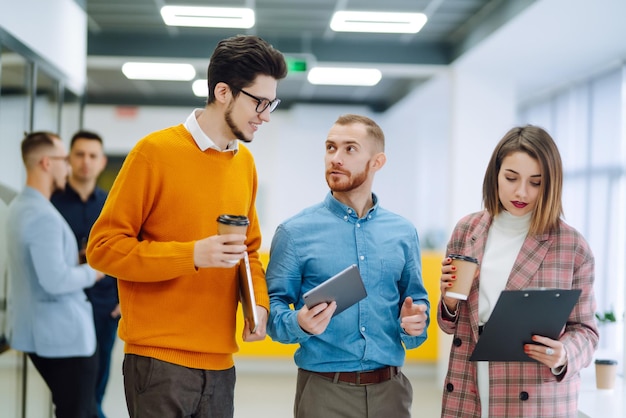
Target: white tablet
[(246, 293), (346, 288)]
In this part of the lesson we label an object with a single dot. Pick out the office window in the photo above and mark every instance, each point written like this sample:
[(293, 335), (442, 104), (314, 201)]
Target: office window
[(585, 121)]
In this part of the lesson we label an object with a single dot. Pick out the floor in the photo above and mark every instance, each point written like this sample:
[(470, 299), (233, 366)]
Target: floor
[(266, 388)]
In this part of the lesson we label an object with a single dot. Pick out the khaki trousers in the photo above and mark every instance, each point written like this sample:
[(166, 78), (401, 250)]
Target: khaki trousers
[(320, 397)]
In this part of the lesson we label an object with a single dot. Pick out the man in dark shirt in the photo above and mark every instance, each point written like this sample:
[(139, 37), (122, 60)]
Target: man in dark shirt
[(80, 204)]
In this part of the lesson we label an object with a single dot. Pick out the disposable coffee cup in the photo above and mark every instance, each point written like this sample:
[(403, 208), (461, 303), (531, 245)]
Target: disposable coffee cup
[(232, 224), (605, 373), (465, 271)]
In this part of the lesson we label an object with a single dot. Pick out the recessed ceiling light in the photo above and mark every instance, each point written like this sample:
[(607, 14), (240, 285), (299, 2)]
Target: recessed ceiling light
[(200, 88), (344, 76), (380, 22), (158, 71), (210, 17)]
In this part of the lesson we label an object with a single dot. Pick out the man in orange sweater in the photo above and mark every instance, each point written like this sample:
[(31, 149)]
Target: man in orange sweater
[(157, 234)]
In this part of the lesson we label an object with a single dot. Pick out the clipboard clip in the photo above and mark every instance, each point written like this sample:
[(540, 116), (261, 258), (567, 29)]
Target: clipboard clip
[(530, 289)]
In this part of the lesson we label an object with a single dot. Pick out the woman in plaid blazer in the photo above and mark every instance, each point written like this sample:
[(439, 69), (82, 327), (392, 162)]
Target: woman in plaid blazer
[(520, 242)]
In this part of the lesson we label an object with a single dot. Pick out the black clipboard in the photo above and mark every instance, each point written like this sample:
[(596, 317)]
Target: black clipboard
[(246, 293), (520, 314), (346, 288)]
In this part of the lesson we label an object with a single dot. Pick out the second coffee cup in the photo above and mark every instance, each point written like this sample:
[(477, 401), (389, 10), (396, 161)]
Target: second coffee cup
[(465, 272), (232, 224), (605, 373)]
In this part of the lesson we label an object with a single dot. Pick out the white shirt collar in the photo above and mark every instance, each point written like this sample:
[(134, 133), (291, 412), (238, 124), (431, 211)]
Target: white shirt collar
[(202, 139)]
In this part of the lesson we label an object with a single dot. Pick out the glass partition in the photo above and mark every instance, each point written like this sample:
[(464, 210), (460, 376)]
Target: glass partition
[(15, 92), (71, 114), (47, 104), (32, 97), (587, 121)]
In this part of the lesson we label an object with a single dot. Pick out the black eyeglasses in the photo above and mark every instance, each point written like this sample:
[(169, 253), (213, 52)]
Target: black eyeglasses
[(261, 103)]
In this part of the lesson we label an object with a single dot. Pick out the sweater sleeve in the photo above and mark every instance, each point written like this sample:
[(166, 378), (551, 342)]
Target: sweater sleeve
[(115, 244)]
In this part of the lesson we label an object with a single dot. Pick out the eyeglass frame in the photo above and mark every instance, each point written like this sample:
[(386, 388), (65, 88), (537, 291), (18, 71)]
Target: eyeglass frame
[(65, 158), (272, 104)]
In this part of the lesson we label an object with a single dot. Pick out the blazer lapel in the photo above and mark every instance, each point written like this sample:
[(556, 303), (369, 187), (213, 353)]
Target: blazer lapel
[(528, 261), (477, 250)]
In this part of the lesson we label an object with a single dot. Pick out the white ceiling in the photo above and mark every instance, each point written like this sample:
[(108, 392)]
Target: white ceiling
[(133, 29)]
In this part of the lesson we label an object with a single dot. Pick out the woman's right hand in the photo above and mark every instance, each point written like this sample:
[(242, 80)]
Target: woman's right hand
[(447, 278)]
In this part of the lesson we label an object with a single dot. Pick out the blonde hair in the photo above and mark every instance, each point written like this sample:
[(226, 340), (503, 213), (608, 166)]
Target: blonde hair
[(539, 145), (373, 130)]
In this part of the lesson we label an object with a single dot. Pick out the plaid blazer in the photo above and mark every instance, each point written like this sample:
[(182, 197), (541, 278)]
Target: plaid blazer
[(561, 259)]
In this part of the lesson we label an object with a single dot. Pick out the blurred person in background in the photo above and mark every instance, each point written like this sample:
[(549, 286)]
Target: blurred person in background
[(50, 318), (80, 203)]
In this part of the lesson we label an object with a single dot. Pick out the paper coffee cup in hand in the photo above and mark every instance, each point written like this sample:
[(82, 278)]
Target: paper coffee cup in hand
[(232, 224), (465, 271)]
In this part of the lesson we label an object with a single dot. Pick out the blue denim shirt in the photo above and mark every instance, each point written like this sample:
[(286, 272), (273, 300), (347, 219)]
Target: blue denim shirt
[(322, 240)]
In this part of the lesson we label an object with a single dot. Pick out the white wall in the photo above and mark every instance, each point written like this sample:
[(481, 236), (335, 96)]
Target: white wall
[(12, 126), (418, 134), (121, 127), (55, 30)]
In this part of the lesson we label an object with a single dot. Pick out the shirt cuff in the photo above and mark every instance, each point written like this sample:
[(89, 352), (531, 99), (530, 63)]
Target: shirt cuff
[(557, 371), (448, 314)]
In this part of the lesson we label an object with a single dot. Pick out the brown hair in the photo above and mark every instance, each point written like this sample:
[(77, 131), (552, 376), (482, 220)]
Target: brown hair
[(538, 144), (238, 60), (85, 135), (34, 142), (373, 130)]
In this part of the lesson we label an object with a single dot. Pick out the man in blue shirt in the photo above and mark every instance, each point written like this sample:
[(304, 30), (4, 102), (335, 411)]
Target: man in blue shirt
[(349, 365), (80, 203)]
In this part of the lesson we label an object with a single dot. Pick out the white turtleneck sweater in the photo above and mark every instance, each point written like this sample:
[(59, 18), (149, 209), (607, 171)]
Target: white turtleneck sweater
[(504, 241)]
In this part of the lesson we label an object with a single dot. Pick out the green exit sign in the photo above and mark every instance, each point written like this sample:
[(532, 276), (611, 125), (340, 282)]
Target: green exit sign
[(296, 65)]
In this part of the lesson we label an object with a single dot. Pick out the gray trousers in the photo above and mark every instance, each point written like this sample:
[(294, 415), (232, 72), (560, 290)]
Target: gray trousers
[(157, 389), (319, 397)]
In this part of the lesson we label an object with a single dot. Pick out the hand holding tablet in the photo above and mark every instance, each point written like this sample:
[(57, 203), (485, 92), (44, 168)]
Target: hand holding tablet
[(345, 288)]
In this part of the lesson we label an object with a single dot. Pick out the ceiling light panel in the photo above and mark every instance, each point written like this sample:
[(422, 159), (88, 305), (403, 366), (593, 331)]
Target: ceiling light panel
[(377, 22), (158, 71), (344, 76), (209, 17), (200, 88)]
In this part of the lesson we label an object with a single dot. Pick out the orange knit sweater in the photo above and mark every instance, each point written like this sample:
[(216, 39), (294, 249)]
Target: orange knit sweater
[(167, 195)]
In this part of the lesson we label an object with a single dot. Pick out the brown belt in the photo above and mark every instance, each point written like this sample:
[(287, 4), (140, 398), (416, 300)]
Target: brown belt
[(369, 377)]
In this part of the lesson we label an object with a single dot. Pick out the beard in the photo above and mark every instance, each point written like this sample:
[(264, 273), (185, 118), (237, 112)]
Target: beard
[(349, 182), (231, 124)]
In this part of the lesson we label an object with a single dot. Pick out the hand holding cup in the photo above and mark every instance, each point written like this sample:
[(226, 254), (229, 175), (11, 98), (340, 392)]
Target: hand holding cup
[(465, 272), (232, 224)]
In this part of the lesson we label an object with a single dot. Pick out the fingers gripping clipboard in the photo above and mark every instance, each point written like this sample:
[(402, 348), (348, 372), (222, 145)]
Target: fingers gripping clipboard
[(520, 314)]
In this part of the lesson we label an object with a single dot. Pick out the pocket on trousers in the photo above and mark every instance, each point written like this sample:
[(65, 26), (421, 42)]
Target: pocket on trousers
[(139, 370)]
